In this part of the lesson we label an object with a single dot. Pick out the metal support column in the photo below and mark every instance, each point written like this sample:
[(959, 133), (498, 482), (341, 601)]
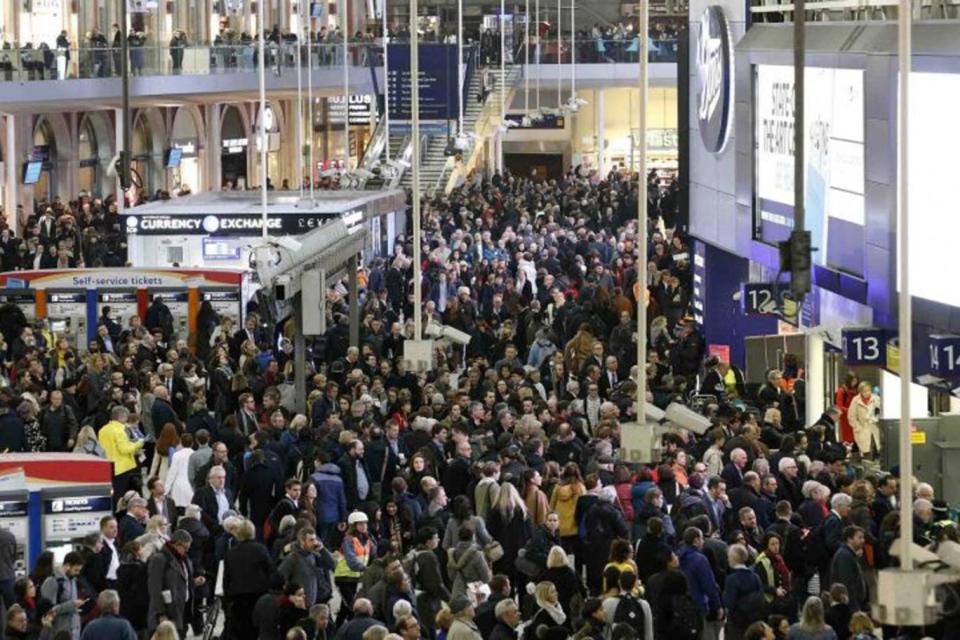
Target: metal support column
[(299, 358), (641, 221), (261, 119), (354, 302), (11, 160)]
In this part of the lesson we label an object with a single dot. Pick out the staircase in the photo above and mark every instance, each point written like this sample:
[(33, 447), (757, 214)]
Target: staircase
[(434, 166)]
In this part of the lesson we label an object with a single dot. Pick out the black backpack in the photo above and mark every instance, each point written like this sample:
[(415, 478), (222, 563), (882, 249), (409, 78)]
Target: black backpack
[(687, 621), (629, 611)]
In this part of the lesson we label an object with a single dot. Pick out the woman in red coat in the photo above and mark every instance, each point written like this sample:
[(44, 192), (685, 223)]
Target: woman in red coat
[(845, 395)]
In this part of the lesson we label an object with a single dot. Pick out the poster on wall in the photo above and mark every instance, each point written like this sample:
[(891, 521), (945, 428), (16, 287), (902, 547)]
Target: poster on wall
[(834, 155)]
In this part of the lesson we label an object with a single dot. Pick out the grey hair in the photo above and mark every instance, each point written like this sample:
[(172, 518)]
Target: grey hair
[(362, 606), (119, 413), (840, 500), (738, 554), (401, 608), (109, 601), (503, 607), (181, 537)]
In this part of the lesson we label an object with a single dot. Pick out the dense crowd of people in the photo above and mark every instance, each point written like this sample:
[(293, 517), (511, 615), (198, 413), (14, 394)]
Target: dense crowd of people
[(483, 498)]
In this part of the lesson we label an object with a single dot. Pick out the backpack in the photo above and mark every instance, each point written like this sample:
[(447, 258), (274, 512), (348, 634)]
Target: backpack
[(687, 622), (629, 611)]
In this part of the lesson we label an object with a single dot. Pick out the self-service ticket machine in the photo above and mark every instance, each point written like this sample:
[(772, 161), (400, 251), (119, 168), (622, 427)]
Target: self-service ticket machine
[(122, 305), (178, 303), (23, 298), (67, 315), (14, 518), (225, 303), (70, 513)]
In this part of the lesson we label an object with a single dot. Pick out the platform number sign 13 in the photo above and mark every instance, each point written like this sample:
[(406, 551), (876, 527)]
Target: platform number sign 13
[(864, 347), (945, 355)]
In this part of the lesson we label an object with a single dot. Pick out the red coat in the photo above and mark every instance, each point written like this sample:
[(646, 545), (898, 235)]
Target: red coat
[(844, 397)]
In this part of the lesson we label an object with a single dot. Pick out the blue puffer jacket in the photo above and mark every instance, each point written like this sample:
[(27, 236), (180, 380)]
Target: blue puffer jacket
[(331, 498)]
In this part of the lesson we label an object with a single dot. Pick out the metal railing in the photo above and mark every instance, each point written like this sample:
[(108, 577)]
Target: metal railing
[(601, 51), (828, 10), (24, 64)]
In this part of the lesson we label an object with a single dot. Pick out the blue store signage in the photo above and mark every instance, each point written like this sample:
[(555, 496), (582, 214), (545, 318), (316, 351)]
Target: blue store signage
[(714, 79), (945, 355), (864, 347)]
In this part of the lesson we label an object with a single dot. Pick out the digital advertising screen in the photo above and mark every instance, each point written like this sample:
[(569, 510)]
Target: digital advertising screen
[(834, 158), (934, 193)]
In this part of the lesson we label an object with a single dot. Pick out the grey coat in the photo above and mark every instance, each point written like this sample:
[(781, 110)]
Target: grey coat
[(62, 591), (311, 569), (166, 573), (466, 564)]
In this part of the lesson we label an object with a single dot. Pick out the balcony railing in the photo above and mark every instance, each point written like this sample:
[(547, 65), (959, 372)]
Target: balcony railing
[(860, 10), (597, 51), (21, 65)]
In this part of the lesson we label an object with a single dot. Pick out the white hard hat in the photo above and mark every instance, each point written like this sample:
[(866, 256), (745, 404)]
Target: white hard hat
[(357, 516)]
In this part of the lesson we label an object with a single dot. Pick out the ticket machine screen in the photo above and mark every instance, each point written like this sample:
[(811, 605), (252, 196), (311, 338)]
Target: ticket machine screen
[(122, 306), (26, 300), (225, 303)]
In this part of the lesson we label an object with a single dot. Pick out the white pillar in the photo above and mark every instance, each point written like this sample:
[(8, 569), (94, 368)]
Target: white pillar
[(814, 377), (213, 148), (601, 132), (11, 160)]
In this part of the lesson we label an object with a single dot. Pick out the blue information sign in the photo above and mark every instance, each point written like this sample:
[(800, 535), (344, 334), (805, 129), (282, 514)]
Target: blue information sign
[(439, 99), (864, 347), (945, 355)]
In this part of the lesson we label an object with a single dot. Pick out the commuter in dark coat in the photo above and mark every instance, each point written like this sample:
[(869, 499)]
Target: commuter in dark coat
[(845, 568), (247, 568), (356, 476), (258, 492)]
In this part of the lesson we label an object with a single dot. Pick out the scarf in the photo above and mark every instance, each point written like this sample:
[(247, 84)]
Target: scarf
[(554, 610), (781, 568)]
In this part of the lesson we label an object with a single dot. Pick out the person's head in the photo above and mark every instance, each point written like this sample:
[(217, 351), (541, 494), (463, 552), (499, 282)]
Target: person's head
[(137, 507), (739, 457), (320, 614), (737, 555), (811, 617), (747, 517), (362, 607), (839, 593), (840, 502), (788, 468), (217, 477), (181, 540), (693, 537), (759, 631), (508, 612), (552, 522), (408, 627), (860, 622), (545, 591), (17, 619), (771, 544), (854, 537), (72, 564), (923, 510), (166, 630), (108, 527), (557, 558), (296, 594), (462, 607), (109, 602)]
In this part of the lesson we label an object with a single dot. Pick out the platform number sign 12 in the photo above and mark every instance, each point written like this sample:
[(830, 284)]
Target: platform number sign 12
[(758, 298), (945, 355), (862, 347)]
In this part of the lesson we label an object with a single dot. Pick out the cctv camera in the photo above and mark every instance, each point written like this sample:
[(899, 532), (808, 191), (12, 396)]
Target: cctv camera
[(685, 418), (289, 243)]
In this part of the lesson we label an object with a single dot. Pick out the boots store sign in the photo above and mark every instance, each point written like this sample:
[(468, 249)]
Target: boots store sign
[(714, 79), (222, 224)]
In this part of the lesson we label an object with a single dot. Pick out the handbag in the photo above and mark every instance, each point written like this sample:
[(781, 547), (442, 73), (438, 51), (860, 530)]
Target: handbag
[(493, 551), (526, 567)]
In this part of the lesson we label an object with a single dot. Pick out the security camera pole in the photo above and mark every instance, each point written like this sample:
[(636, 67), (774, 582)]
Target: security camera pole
[(124, 173)]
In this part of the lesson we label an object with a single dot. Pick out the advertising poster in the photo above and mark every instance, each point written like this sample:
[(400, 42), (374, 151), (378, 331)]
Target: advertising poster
[(834, 157)]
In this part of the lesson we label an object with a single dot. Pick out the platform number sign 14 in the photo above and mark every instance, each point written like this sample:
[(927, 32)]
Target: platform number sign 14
[(864, 347), (945, 355)]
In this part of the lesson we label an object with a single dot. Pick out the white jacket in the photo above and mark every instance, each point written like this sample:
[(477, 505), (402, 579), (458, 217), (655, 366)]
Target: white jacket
[(178, 478)]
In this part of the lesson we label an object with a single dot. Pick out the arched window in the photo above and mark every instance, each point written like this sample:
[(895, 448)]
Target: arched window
[(45, 150), (88, 154)]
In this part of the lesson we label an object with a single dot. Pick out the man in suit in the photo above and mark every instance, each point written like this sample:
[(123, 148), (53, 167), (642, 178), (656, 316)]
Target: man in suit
[(134, 523), (609, 378), (250, 331), (160, 504), (162, 411), (214, 500), (178, 393), (356, 477), (109, 560), (105, 340), (259, 491), (732, 474), (748, 495), (845, 568), (218, 458), (715, 502), (247, 414)]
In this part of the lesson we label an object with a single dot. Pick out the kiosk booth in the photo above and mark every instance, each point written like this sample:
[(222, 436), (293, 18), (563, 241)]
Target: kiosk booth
[(50, 501), (220, 228), (72, 300)]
